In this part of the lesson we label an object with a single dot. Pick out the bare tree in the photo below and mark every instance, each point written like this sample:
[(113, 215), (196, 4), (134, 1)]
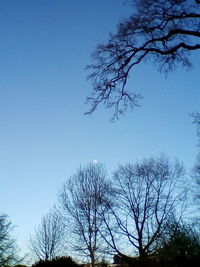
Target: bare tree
[(82, 198), (47, 241), (196, 168), (163, 31), (146, 195), (196, 174), (7, 243), (196, 187)]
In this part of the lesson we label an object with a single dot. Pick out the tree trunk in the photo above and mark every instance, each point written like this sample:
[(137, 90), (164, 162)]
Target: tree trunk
[(92, 257)]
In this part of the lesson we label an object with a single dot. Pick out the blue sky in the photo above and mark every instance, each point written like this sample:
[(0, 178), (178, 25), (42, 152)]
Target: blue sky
[(44, 135)]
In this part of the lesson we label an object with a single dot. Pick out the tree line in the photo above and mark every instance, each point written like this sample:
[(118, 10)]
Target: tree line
[(137, 215)]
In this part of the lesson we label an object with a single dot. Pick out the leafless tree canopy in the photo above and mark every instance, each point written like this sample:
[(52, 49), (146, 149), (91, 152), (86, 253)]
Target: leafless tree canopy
[(147, 194), (196, 169), (47, 241), (196, 174), (82, 198), (7, 243), (163, 31)]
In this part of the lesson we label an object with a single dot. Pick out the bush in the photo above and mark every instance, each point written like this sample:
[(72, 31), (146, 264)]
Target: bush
[(58, 261)]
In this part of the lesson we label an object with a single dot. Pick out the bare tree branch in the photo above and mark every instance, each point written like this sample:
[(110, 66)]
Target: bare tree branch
[(159, 30)]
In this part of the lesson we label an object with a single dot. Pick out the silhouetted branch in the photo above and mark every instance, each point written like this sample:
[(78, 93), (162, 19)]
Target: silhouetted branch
[(162, 31)]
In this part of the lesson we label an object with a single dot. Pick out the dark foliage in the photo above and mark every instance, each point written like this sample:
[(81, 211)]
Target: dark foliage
[(156, 262), (180, 248), (180, 241), (123, 259), (58, 261)]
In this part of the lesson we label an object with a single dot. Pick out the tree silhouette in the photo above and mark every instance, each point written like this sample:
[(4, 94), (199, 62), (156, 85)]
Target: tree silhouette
[(146, 195), (7, 243), (83, 199), (47, 241), (161, 31)]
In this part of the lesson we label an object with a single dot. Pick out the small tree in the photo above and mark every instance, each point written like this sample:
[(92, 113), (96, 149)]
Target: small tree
[(7, 243), (47, 241), (83, 198), (146, 194)]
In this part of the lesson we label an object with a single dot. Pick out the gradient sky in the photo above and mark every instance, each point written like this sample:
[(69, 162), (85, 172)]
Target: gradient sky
[(44, 136)]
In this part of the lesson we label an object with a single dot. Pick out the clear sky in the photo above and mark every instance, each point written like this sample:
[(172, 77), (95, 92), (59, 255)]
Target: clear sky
[(44, 136)]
